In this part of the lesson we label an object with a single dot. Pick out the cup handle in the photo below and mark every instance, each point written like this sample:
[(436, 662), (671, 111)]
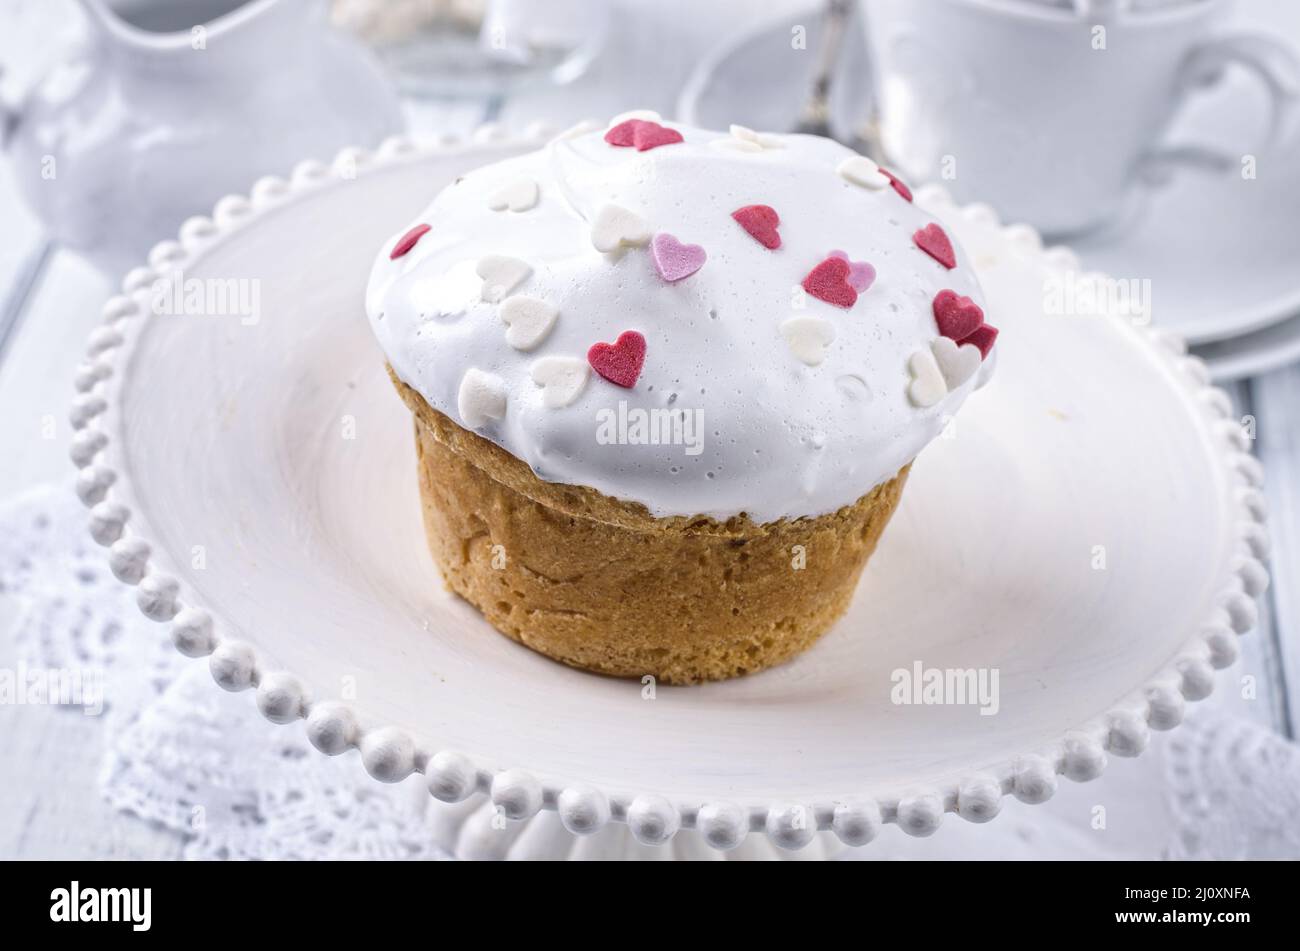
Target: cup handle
[(1277, 67), (9, 112)]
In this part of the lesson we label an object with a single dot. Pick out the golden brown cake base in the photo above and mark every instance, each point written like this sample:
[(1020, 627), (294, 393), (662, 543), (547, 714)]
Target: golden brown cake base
[(599, 583)]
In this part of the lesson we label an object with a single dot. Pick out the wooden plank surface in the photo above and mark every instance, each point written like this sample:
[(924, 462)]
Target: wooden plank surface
[(1277, 411)]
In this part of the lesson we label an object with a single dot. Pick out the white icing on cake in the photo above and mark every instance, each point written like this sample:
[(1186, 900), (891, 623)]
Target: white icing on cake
[(778, 414)]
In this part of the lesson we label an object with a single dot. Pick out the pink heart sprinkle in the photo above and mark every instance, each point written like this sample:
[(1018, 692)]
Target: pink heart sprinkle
[(861, 274), (674, 260), (408, 241)]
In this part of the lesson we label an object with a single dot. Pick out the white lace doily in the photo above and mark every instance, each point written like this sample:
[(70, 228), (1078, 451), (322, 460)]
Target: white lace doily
[(182, 753), (1235, 792), (205, 764), (70, 612)]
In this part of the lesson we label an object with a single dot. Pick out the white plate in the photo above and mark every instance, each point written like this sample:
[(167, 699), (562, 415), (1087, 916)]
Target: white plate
[(1218, 250), (1091, 531)]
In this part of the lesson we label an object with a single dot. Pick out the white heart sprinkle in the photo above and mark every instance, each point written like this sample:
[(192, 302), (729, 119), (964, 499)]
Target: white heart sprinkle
[(808, 338), (517, 196), (615, 227), (762, 139), (561, 379), (482, 396), (860, 170), (529, 320), (927, 386), (501, 275), (957, 364)]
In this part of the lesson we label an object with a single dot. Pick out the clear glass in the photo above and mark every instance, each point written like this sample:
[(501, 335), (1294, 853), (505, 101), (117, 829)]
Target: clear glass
[(478, 48)]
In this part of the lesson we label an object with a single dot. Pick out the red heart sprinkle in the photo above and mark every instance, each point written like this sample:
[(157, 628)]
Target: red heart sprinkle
[(650, 135), (760, 221), (643, 134), (958, 317), (933, 241), (619, 362), (982, 337), (897, 183), (408, 241), (829, 281), (621, 135)]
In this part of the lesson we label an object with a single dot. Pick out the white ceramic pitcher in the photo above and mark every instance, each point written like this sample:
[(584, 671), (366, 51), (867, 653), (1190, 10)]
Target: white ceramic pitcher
[(170, 105)]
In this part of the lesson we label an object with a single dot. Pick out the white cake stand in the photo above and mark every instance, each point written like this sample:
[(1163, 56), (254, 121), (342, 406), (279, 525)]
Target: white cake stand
[(1091, 531)]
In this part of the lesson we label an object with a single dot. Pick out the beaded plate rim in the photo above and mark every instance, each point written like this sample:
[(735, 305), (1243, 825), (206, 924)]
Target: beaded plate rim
[(390, 755)]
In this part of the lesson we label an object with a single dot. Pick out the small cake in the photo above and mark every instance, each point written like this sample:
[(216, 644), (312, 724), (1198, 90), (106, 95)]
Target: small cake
[(667, 385)]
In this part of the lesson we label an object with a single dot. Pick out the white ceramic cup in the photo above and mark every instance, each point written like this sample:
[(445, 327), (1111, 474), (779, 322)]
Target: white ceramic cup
[(1053, 112)]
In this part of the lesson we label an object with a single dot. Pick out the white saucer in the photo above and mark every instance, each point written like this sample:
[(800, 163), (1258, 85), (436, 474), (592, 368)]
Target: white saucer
[(1260, 351), (1219, 251), (757, 79), (1091, 531)]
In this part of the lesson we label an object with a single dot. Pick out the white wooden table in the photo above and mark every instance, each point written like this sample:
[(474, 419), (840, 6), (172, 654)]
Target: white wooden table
[(49, 300)]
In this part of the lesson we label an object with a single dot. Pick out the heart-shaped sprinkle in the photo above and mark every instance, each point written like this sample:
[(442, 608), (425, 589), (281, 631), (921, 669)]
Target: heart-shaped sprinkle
[(808, 337), (529, 321), (956, 315), (482, 396), (898, 184), (861, 171), (957, 362), (982, 337), (501, 275), (762, 139), (861, 274), (927, 386), (621, 134), (617, 227), (761, 222), (408, 241), (643, 134), (674, 260), (517, 196), (651, 135), (619, 362), (561, 379), (829, 281), (934, 241)]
